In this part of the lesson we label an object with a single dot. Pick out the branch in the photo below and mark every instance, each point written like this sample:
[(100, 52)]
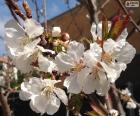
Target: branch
[(133, 30), (108, 101), (117, 100), (5, 106), (131, 19)]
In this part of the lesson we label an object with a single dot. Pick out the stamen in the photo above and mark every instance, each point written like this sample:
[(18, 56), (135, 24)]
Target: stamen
[(78, 66), (106, 57)]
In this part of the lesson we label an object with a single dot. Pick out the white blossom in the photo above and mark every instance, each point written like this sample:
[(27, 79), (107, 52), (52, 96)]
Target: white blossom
[(21, 43), (131, 104), (126, 92), (95, 78), (56, 32), (44, 96), (71, 62)]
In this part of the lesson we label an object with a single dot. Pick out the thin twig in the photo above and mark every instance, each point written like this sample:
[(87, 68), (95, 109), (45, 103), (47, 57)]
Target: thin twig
[(67, 110), (108, 102), (12, 12), (133, 30), (131, 19), (117, 100)]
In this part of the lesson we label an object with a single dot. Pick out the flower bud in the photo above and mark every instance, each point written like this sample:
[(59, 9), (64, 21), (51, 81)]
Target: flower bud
[(65, 37), (56, 32)]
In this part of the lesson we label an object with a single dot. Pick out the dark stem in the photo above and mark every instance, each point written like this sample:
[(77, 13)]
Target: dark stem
[(117, 100), (12, 12), (108, 102)]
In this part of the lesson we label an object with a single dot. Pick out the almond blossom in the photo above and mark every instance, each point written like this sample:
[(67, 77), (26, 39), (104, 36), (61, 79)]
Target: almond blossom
[(44, 95)]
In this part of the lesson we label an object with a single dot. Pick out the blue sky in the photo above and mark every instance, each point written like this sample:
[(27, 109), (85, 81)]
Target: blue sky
[(54, 8)]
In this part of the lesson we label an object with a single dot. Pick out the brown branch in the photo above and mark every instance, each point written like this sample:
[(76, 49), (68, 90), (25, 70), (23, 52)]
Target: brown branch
[(97, 105), (127, 13), (12, 12), (108, 102), (133, 30), (117, 100), (5, 106), (13, 5)]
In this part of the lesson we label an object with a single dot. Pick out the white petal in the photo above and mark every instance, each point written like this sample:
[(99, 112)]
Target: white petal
[(82, 75), (64, 62), (71, 84), (109, 46), (111, 73), (23, 64), (34, 85), (96, 50), (53, 105), (123, 35), (30, 47), (62, 95), (45, 50), (14, 34), (39, 103), (33, 107), (103, 84), (75, 49), (23, 95), (90, 84), (126, 54), (33, 28), (43, 63)]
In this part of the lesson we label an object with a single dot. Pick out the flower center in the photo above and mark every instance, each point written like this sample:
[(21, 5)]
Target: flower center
[(47, 91), (78, 66), (95, 70), (25, 41), (106, 57)]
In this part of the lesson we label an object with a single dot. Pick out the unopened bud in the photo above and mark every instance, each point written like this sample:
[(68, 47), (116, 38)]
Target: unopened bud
[(65, 37), (56, 32)]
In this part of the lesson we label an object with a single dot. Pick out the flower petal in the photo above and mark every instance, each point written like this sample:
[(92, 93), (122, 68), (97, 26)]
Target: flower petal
[(39, 103), (126, 54), (75, 49), (64, 62), (33, 28), (90, 84), (103, 84), (82, 75), (71, 84), (123, 35), (44, 64), (53, 105), (62, 95), (14, 34)]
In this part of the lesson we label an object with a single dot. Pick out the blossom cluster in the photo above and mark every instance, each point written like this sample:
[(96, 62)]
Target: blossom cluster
[(84, 70)]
